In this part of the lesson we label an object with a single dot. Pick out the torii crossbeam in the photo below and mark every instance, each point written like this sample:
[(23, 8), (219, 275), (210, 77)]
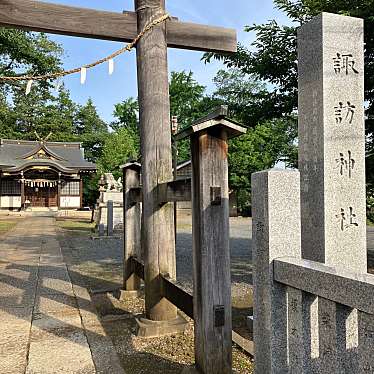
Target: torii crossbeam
[(158, 223), (96, 24)]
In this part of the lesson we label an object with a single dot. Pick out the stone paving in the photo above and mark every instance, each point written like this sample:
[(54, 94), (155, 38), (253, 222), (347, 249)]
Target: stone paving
[(47, 324)]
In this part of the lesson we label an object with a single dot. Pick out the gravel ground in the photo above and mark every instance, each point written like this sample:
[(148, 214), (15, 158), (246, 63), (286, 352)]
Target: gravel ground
[(98, 266)]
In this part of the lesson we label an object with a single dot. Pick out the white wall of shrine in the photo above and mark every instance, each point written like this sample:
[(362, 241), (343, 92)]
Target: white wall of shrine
[(10, 201), (70, 202)]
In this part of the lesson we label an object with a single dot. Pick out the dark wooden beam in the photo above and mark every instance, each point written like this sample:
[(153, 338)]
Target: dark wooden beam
[(97, 24), (178, 190), (177, 295)]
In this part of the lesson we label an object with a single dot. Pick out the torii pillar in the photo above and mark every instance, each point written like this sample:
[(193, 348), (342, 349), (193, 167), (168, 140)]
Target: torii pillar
[(158, 235)]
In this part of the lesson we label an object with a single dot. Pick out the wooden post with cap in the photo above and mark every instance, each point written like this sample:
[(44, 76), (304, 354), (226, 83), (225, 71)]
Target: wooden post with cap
[(210, 231)]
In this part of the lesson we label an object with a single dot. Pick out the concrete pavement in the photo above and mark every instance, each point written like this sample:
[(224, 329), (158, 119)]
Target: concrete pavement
[(47, 324)]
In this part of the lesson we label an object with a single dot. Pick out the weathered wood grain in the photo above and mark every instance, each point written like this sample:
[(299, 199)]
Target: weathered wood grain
[(135, 195), (178, 190), (245, 344), (131, 227), (211, 254), (67, 20), (158, 239), (97, 24), (197, 37)]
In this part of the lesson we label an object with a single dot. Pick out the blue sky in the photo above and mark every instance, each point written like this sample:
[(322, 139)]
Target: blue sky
[(108, 90)]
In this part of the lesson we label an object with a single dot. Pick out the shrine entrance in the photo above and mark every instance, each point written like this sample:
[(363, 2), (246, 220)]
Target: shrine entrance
[(45, 197), (41, 188)]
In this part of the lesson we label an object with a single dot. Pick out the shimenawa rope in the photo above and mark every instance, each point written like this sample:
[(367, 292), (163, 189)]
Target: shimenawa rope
[(124, 49)]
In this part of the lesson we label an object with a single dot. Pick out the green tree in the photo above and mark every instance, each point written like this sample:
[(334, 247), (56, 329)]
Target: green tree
[(259, 149), (243, 94), (272, 57), (119, 147), (62, 113), (91, 130), (189, 102), (186, 96), (40, 112), (126, 115), (24, 52), (266, 142)]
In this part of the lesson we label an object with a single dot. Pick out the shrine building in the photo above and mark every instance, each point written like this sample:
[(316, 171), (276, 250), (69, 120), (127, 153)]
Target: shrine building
[(42, 174)]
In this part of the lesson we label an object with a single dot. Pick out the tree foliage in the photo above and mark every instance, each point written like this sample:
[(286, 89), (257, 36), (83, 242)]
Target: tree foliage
[(189, 102), (126, 115), (119, 147), (272, 59), (24, 52)]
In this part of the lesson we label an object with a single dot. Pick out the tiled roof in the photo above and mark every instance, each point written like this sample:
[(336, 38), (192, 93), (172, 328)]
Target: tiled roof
[(14, 155)]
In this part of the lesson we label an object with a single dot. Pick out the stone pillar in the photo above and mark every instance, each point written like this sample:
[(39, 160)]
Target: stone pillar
[(276, 233), (109, 221), (332, 141), (332, 167)]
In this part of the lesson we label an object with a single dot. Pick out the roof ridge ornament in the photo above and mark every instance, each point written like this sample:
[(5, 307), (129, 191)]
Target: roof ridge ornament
[(41, 140)]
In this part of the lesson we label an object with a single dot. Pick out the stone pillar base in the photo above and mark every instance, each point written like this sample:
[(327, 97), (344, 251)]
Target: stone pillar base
[(124, 295), (153, 329)]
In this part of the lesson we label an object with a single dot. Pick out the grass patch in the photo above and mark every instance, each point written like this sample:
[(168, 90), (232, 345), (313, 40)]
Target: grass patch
[(6, 226), (76, 225)]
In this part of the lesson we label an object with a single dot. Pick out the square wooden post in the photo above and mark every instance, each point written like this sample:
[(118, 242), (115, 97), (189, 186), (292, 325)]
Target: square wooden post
[(131, 229), (211, 253)]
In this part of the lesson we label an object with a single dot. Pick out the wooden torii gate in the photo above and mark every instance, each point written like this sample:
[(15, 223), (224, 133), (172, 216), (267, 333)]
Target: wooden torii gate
[(158, 239)]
